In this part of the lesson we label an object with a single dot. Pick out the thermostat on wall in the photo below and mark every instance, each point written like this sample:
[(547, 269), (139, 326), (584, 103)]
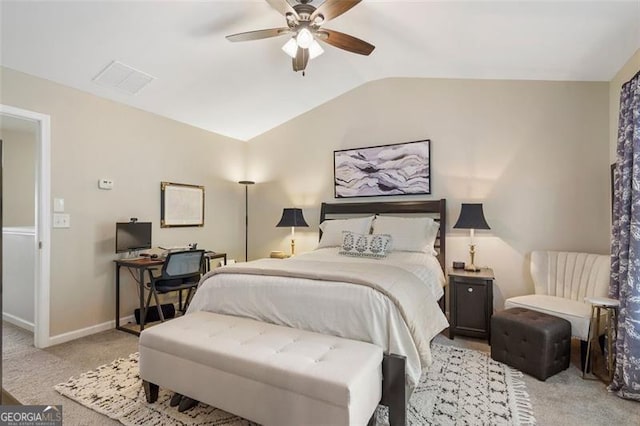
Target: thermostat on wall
[(105, 184)]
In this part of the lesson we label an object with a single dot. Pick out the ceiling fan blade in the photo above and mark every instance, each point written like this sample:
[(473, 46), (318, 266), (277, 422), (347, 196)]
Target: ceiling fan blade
[(259, 34), (333, 8), (345, 41), (301, 59), (283, 7)]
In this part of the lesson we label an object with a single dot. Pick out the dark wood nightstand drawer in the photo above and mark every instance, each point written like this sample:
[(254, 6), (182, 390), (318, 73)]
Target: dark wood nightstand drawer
[(473, 315), (471, 303)]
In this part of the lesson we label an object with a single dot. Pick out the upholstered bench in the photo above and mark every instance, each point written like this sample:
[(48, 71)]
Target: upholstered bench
[(269, 374), (532, 342)]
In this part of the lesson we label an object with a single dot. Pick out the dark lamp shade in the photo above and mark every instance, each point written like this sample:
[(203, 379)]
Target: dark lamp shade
[(292, 217), (471, 217)]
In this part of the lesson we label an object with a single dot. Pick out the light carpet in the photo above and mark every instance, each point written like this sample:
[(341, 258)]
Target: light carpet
[(462, 386)]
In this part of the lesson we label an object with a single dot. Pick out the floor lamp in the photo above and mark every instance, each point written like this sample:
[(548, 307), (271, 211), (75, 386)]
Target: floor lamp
[(246, 184)]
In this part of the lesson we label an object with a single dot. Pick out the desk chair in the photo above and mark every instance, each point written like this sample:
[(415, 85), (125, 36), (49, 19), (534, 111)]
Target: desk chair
[(180, 271)]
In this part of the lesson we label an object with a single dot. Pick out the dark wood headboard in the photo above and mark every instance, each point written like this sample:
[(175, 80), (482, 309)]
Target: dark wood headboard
[(437, 209)]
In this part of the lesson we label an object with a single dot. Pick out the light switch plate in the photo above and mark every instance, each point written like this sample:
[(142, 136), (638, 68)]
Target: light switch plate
[(58, 205), (61, 220)]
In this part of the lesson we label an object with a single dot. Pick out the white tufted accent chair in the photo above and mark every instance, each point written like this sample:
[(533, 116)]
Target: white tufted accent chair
[(562, 280)]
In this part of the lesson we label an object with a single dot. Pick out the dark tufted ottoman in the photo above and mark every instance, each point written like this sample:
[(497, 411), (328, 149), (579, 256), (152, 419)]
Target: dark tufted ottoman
[(535, 343)]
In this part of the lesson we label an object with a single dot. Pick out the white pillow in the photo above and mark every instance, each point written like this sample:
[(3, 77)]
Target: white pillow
[(409, 233), (365, 245), (332, 230)]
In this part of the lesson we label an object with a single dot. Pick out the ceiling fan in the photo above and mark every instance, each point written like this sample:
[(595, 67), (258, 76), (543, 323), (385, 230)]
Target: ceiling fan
[(304, 24)]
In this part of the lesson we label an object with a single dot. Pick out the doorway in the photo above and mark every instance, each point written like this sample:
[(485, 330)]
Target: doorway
[(39, 224)]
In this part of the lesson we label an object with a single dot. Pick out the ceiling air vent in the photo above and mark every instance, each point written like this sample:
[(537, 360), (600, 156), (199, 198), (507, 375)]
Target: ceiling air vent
[(123, 78)]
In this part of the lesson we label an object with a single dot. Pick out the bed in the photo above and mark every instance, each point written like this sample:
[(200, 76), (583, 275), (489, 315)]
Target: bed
[(267, 290)]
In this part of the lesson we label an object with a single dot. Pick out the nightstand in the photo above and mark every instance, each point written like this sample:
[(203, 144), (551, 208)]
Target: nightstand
[(471, 302)]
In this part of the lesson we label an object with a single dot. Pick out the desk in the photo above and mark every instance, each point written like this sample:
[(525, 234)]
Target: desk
[(141, 266), (210, 255)]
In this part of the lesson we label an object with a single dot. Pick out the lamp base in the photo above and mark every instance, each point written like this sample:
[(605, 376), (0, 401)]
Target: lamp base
[(472, 253), (472, 268)]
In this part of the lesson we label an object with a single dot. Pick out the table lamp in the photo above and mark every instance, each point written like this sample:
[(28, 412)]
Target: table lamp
[(292, 218), (471, 218)]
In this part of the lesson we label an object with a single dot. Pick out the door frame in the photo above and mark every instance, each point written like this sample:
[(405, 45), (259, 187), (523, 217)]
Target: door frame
[(42, 248)]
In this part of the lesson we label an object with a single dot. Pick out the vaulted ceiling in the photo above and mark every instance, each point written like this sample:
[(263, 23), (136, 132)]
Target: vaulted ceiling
[(244, 89)]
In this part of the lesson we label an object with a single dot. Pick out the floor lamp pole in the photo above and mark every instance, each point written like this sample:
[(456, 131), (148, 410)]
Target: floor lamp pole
[(246, 184)]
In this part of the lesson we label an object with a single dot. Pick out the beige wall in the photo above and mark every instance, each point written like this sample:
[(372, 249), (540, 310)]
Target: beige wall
[(93, 138), (625, 74), (535, 153), (19, 180)]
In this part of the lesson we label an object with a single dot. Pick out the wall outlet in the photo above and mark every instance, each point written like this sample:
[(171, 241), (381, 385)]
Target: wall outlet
[(62, 220), (105, 183)]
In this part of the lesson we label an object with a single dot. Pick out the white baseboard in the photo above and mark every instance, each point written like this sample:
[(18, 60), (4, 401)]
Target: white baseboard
[(18, 322), (83, 332)]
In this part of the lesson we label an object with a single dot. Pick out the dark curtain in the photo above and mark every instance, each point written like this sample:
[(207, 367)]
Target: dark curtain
[(625, 244)]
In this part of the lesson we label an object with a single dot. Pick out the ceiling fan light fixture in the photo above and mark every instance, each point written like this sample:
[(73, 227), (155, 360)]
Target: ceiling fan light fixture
[(315, 50), (291, 47), (304, 38), (304, 25)]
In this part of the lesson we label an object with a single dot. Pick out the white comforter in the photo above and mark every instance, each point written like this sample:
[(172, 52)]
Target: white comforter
[(337, 308)]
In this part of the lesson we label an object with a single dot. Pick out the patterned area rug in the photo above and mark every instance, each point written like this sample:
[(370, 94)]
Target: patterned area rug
[(461, 387)]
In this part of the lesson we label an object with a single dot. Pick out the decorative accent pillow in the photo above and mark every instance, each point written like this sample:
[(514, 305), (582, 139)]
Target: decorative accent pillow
[(365, 245), (332, 230), (409, 233)]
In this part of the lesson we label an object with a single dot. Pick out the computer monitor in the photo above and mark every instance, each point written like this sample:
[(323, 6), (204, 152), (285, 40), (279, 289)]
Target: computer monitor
[(131, 236)]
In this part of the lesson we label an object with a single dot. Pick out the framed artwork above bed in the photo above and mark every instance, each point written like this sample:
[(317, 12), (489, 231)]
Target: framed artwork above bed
[(396, 169)]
